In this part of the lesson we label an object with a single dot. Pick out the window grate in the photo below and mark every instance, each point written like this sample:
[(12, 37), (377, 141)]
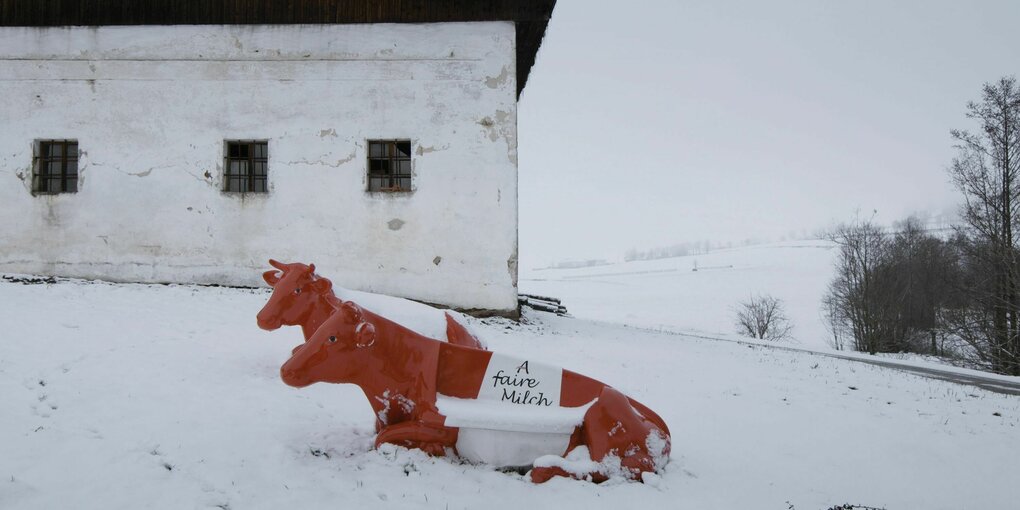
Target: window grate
[(246, 167), (389, 165), (57, 167)]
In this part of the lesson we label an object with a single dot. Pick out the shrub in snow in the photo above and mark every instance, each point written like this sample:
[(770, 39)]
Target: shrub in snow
[(763, 317)]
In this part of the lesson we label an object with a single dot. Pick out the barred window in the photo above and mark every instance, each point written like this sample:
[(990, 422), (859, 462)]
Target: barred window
[(389, 165), (246, 167), (56, 168)]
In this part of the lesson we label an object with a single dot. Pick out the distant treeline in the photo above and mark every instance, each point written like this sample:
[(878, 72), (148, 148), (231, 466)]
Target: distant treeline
[(702, 247), (574, 264), (684, 249)]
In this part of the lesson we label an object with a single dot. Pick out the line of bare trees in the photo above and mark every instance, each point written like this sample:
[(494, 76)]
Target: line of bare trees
[(912, 291), (890, 290)]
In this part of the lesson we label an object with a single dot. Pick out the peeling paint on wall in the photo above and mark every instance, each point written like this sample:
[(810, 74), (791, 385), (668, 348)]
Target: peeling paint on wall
[(348, 159), (490, 130), (422, 150), (321, 162), (395, 224), (511, 267), (504, 126), (498, 81)]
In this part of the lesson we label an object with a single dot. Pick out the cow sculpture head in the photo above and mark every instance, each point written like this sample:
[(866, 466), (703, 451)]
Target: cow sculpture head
[(296, 290), (339, 351)]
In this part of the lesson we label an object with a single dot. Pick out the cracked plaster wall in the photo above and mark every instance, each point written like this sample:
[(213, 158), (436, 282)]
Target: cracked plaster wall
[(151, 108)]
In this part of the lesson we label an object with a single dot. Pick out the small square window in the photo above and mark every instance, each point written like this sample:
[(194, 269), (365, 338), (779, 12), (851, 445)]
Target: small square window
[(56, 167), (246, 169), (389, 165)]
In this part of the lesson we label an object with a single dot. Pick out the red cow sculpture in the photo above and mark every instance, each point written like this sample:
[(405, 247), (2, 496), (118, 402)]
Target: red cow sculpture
[(302, 298), (445, 398)]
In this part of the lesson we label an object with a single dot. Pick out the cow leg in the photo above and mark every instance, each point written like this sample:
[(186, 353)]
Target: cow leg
[(617, 440), (431, 439), (614, 428), (542, 474)]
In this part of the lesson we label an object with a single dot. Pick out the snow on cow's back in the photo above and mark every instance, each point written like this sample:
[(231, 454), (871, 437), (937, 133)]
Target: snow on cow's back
[(418, 317)]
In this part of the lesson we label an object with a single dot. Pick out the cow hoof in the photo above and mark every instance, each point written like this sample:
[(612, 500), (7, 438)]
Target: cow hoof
[(544, 474), (431, 449), (637, 464)]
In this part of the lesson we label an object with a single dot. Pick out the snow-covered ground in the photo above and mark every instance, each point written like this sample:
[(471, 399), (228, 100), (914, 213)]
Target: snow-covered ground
[(670, 294), (128, 396)]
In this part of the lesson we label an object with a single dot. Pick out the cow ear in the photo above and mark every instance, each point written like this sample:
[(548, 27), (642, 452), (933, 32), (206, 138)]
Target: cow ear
[(351, 311), (366, 334), (311, 268), (278, 265), (321, 285), (271, 277)]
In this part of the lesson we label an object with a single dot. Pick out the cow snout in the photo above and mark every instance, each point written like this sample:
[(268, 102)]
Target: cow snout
[(293, 378), (267, 322)]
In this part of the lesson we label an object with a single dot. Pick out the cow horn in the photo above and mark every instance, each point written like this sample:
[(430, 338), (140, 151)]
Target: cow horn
[(271, 277), (351, 311), (321, 284), (311, 268), (278, 265)]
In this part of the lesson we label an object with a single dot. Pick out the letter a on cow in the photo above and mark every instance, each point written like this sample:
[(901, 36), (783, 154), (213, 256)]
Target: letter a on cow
[(524, 366)]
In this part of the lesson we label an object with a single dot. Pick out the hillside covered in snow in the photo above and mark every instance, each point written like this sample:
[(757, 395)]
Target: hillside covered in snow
[(699, 293)]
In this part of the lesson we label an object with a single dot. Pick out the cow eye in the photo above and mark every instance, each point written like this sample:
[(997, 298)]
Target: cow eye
[(332, 339), (297, 290)]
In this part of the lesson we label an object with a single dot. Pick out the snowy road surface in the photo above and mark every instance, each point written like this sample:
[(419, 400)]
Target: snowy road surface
[(967, 377), (127, 396), (988, 383)]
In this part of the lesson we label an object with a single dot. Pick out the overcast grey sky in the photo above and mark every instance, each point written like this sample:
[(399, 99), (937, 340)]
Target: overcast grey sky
[(652, 122)]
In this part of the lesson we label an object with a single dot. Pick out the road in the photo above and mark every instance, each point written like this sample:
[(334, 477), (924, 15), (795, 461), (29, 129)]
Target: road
[(989, 383), (985, 383)]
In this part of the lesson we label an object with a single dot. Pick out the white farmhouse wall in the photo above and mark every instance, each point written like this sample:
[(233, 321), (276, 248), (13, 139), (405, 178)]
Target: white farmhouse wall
[(151, 107)]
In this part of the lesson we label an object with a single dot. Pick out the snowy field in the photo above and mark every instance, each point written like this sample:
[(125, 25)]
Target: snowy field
[(669, 294), (134, 396)]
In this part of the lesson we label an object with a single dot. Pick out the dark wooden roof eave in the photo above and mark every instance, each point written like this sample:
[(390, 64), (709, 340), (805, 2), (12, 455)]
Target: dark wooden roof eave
[(530, 16)]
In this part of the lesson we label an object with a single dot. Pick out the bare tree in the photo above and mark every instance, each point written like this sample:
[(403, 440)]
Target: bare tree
[(763, 317), (856, 300), (987, 171), (836, 321)]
